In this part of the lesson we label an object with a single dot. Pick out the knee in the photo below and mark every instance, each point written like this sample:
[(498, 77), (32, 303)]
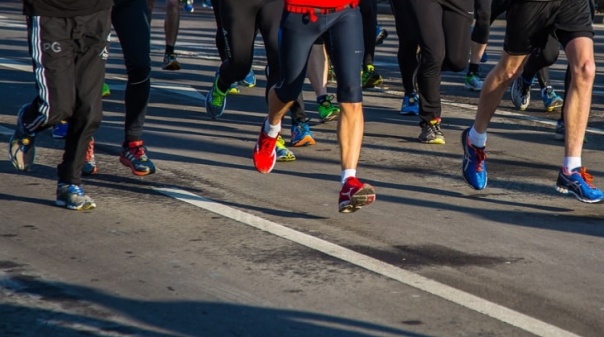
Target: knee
[(457, 63), (585, 71), (432, 62), (138, 73)]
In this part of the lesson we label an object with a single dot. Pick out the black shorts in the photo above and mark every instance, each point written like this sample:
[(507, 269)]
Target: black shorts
[(530, 22)]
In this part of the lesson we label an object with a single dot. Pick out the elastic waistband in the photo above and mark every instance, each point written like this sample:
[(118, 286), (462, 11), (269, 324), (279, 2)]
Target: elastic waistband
[(313, 12)]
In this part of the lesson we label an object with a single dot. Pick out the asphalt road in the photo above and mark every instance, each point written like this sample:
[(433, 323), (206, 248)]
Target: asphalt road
[(209, 247)]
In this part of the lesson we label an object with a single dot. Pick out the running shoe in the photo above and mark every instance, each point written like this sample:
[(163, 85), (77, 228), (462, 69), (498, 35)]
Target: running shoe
[(250, 80), (551, 100), (59, 131), (21, 149), (473, 82), (560, 133), (134, 155), (233, 89), (283, 153), (89, 167), (170, 62), (473, 164), (579, 183), (484, 58), (189, 6), (520, 93), (105, 91), (354, 195), (73, 197), (265, 154), (370, 78), (215, 100), (431, 133), (206, 4), (301, 135), (327, 110), (331, 75), (410, 106), (380, 34)]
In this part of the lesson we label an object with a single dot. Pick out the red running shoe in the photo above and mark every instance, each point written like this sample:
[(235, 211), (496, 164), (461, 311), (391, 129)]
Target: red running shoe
[(265, 154), (134, 155), (354, 195)]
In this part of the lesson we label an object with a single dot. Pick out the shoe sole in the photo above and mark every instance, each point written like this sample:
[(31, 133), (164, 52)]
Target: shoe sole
[(285, 159), (246, 84), (330, 117), (434, 141), (125, 162), (171, 66), (306, 141), (553, 107), (470, 88), (363, 197), (565, 190)]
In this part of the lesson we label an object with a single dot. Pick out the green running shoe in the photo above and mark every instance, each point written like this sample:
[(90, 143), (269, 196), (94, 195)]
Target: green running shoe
[(105, 92), (327, 111)]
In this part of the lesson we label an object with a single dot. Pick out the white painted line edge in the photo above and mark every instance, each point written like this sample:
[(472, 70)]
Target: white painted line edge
[(456, 296)]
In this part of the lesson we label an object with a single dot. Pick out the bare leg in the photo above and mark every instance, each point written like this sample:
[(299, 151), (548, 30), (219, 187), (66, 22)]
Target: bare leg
[(350, 134), (578, 98), (495, 86), (317, 69), (172, 22)]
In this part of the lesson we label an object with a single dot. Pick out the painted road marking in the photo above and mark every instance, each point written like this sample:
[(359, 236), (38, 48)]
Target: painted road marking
[(408, 278)]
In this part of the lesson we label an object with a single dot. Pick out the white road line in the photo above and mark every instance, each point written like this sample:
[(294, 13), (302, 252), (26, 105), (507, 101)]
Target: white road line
[(459, 297), (6, 131)]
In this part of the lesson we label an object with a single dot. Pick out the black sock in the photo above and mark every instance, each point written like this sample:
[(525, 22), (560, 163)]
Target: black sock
[(473, 68), (169, 50)]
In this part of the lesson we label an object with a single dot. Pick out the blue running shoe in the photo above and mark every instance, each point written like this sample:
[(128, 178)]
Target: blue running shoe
[(59, 131), (484, 58), (73, 197), (301, 135), (380, 34), (473, 164), (21, 148), (215, 100), (250, 80), (579, 183), (410, 105), (551, 100)]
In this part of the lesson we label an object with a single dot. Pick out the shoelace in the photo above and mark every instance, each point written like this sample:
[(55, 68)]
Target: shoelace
[(481, 155), (586, 176), (138, 152)]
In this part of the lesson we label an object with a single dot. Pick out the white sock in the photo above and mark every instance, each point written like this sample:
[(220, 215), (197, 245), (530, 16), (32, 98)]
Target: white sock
[(477, 139), (571, 163), (272, 130), (347, 173)]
